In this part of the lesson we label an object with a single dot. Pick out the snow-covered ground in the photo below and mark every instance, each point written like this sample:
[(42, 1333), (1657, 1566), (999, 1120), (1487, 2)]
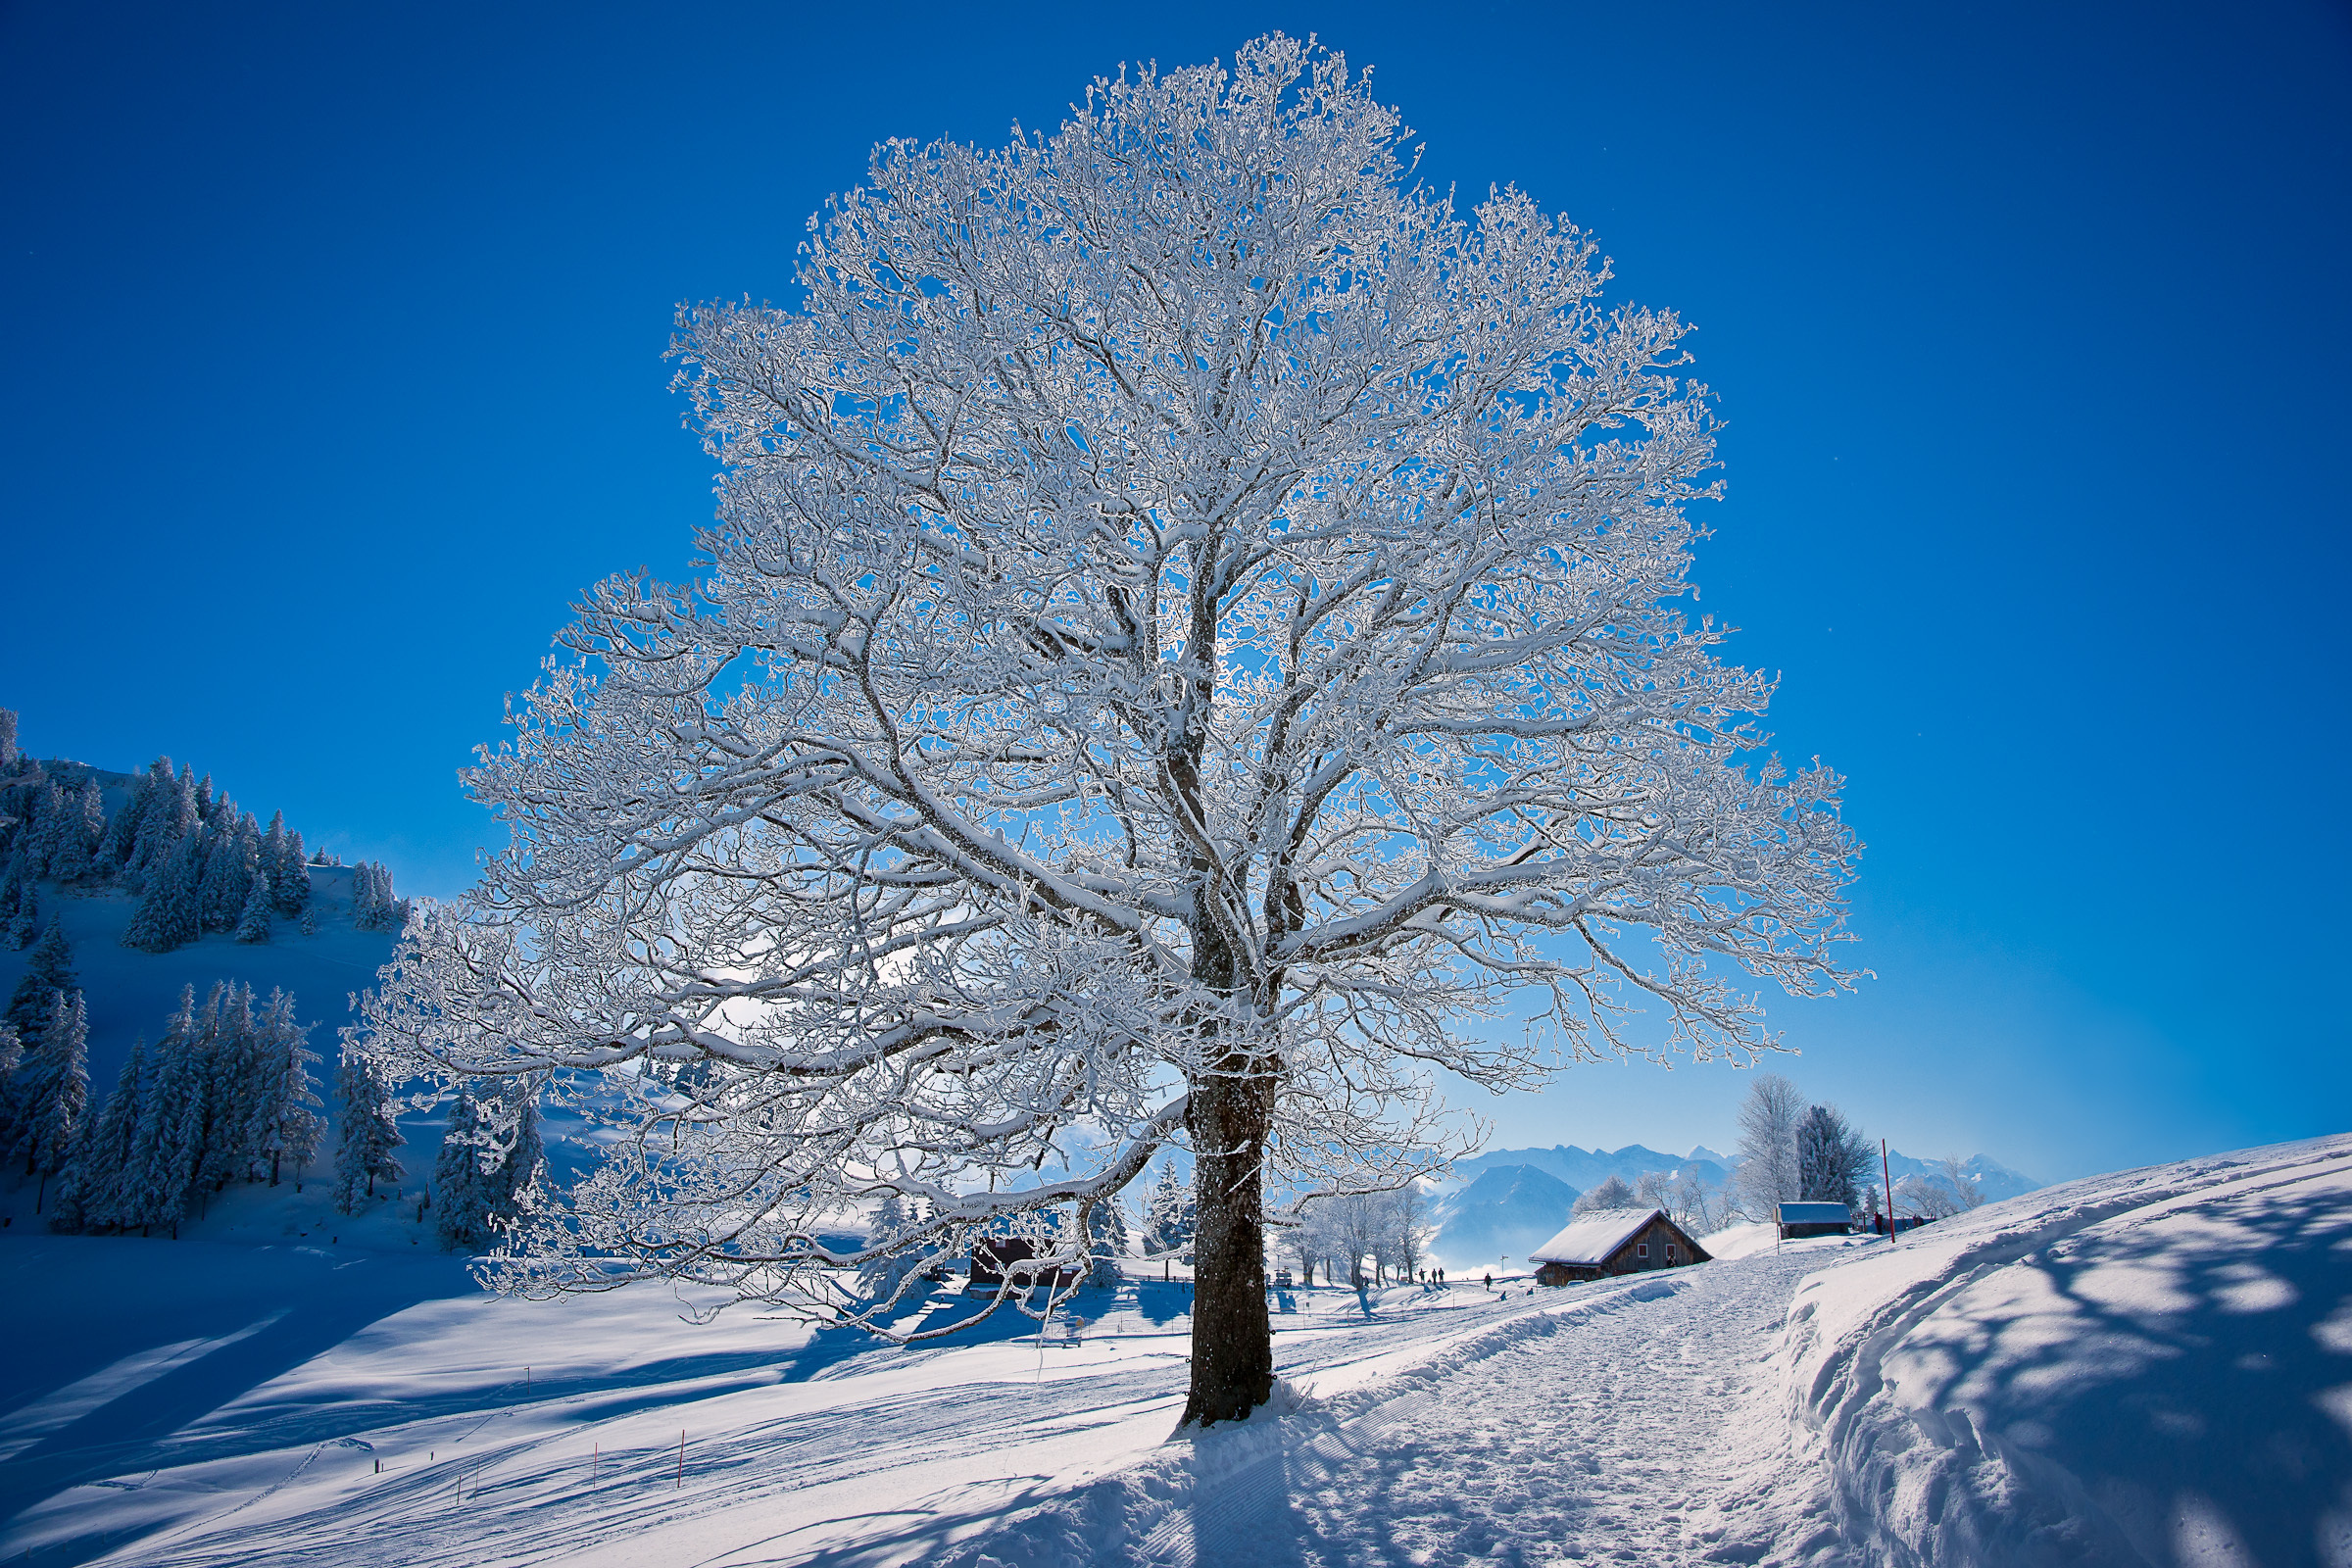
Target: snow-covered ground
[(2151, 1367)]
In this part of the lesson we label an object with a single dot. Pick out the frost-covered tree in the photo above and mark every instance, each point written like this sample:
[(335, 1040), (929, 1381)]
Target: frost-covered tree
[(232, 860), (1192, 617), (57, 1088), (161, 1168), (480, 1182), (88, 1191), (1170, 1214), (8, 737), (1831, 1159), (889, 1273), (49, 970), (1105, 1242), (74, 842), (1767, 1175), (167, 821), (289, 875), (1605, 1195), (171, 912), (287, 1127), (253, 925), (1961, 1179), (21, 902), (368, 1132)]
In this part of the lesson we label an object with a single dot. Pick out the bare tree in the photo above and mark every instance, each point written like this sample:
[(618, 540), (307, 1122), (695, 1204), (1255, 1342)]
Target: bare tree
[(1963, 1181), (1192, 617), (1610, 1194), (1927, 1195), (1768, 1173)]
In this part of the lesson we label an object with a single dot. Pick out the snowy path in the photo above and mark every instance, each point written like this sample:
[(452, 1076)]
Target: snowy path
[(1626, 1422)]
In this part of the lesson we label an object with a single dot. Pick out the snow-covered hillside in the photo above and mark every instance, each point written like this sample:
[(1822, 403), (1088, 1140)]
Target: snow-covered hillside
[(2149, 1367)]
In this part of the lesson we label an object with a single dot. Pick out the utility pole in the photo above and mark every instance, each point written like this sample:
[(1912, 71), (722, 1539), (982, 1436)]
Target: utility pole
[(1887, 1174)]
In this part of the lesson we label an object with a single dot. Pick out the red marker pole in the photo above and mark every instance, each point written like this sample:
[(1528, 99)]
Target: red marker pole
[(1888, 1175)]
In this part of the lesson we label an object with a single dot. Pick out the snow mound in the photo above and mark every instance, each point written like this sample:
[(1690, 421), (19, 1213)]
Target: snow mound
[(1739, 1241), (2148, 1367)]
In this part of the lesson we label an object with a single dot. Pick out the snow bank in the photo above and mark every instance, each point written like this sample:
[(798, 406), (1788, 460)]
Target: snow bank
[(2147, 1367)]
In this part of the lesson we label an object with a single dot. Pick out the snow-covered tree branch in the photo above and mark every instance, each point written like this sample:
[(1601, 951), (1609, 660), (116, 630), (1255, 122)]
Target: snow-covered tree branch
[(1192, 620)]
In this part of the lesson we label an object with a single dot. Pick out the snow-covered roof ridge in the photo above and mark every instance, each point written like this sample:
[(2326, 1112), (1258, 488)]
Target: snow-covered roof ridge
[(1589, 1241)]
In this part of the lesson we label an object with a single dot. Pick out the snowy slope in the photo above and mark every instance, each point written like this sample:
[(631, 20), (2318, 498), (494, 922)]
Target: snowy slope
[(132, 993), (2149, 1367)]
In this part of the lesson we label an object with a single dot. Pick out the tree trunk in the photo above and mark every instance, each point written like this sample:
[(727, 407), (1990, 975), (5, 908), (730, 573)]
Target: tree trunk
[(1233, 1338)]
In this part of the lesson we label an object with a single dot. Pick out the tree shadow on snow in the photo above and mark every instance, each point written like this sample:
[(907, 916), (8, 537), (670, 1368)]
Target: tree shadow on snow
[(2171, 1369)]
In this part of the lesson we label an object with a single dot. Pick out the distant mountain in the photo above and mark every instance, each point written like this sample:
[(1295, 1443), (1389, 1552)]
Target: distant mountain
[(1587, 1169), (1506, 1211), (1994, 1180)]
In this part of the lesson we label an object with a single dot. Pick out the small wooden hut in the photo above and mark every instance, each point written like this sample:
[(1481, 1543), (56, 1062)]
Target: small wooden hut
[(1617, 1241), (1814, 1219)]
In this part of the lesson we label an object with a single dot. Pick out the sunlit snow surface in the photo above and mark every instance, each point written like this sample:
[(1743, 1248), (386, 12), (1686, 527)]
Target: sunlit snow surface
[(2150, 1367)]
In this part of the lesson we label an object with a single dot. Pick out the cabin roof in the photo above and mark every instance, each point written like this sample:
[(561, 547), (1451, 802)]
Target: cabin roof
[(1816, 1214), (1589, 1241)]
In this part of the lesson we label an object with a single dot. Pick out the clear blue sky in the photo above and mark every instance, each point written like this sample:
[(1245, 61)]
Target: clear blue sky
[(330, 365)]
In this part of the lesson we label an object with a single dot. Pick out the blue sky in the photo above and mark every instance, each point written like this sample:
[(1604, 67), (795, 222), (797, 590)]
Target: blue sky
[(330, 366)]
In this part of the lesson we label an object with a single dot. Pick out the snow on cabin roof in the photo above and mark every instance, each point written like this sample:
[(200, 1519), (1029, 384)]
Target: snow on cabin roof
[(1589, 1241)]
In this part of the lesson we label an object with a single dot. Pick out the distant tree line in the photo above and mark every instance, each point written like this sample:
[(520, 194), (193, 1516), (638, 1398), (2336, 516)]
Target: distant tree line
[(1794, 1153), (1341, 1235), (199, 863)]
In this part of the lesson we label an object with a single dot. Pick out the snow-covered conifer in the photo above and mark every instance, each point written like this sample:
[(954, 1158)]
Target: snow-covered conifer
[(8, 737), (1105, 1242), (368, 1132), (90, 1193), (1830, 1158), (123, 828), (73, 846), (162, 1165), (167, 822), (58, 1089), (473, 1208), (308, 925), (169, 914), (288, 1126), (230, 864), (1169, 1215), (50, 970), (1179, 628), (44, 819), (21, 899), (254, 924), (290, 888), (236, 1084)]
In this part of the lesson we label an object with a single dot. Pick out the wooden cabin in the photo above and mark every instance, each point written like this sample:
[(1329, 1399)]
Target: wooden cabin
[(994, 1257), (1617, 1241), (1813, 1219)]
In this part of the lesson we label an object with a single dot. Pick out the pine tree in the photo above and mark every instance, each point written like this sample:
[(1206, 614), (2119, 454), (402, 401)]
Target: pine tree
[(8, 737), (22, 900), (154, 1190), (169, 818), (60, 1088), (123, 828), (254, 924), (74, 849), (368, 1133), (472, 1206), (291, 890), (40, 831), (287, 1125), (50, 970), (1105, 1243), (230, 864), (89, 1196), (169, 914), (310, 920), (1170, 1220)]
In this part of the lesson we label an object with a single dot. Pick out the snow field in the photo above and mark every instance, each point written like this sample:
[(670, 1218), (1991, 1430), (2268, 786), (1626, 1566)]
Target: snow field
[(2153, 1367)]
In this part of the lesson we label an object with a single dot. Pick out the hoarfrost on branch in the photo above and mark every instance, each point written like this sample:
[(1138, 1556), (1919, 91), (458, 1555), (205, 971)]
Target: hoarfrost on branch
[(1192, 618)]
